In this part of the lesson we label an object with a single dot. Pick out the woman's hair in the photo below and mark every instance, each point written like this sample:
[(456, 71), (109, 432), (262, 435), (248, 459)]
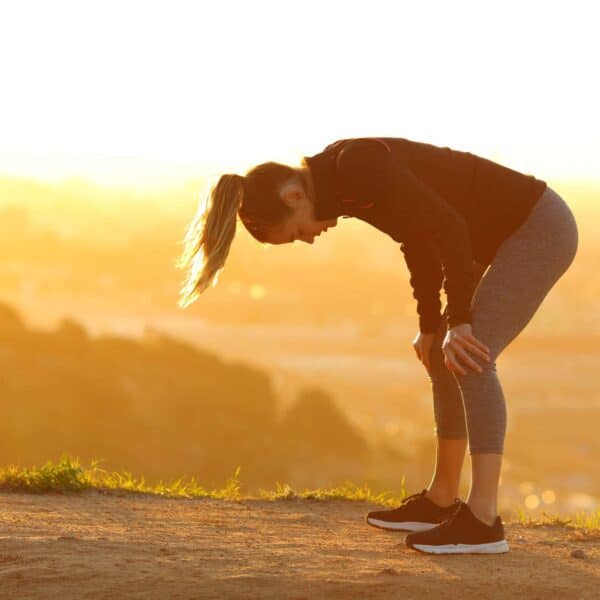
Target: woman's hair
[(255, 198)]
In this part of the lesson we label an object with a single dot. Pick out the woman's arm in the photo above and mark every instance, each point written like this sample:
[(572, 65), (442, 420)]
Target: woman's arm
[(426, 278)]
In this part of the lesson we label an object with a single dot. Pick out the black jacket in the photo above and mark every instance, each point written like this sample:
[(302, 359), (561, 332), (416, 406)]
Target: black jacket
[(446, 207)]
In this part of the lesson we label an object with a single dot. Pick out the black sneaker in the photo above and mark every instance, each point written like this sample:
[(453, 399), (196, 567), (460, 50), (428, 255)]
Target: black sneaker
[(461, 533), (415, 513)]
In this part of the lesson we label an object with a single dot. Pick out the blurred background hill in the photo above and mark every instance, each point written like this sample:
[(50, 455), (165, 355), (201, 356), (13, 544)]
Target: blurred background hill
[(297, 366)]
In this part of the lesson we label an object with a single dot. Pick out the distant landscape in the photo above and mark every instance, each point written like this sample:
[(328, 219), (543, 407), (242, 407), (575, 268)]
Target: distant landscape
[(297, 366)]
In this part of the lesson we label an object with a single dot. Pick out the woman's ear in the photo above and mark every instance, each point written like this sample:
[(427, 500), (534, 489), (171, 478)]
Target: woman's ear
[(292, 194)]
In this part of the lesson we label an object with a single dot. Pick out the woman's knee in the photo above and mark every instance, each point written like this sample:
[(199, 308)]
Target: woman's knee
[(471, 376)]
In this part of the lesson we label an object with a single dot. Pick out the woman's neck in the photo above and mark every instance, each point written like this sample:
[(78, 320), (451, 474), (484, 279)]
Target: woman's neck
[(307, 181)]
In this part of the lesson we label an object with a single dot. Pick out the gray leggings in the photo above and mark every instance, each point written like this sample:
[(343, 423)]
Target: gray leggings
[(526, 266)]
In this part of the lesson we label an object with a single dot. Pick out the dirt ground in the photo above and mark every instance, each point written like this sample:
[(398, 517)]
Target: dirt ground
[(98, 545)]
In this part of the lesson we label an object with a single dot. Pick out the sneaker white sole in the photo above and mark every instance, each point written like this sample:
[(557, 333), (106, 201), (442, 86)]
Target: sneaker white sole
[(489, 548), (401, 525)]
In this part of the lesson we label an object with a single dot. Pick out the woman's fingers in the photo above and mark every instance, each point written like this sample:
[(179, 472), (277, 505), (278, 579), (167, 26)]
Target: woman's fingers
[(465, 358), (422, 355), (452, 364), (454, 353), (479, 344), (457, 348), (479, 352), (417, 352), (426, 363), (473, 344)]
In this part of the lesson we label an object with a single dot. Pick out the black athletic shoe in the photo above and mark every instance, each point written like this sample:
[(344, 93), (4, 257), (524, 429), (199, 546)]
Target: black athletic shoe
[(415, 513), (461, 533)]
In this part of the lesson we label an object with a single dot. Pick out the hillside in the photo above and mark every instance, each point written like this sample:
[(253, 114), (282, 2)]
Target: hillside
[(117, 544)]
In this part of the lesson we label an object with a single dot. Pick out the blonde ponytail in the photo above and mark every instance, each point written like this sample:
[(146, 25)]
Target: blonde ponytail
[(209, 236)]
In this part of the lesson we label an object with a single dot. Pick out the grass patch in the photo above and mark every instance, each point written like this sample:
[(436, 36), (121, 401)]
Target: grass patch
[(585, 524), (68, 476), (346, 491)]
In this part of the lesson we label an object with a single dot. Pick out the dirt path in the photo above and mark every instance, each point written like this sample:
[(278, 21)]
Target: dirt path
[(124, 546)]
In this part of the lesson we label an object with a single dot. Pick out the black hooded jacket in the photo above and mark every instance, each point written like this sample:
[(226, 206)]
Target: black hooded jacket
[(446, 208)]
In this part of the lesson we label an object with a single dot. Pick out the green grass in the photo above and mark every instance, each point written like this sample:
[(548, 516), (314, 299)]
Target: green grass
[(69, 476)]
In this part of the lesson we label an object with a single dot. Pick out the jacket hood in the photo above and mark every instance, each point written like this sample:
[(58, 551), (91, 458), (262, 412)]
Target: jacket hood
[(322, 167)]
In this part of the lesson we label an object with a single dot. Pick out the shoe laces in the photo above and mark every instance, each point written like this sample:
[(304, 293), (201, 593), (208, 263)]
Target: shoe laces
[(412, 496), (451, 518)]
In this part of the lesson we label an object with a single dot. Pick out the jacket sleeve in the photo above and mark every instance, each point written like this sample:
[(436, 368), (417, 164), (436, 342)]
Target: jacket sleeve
[(434, 236), (426, 277)]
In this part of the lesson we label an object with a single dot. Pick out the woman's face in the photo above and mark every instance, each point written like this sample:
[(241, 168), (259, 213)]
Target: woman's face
[(301, 224)]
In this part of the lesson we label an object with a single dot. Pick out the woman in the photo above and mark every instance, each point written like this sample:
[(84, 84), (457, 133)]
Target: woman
[(497, 240)]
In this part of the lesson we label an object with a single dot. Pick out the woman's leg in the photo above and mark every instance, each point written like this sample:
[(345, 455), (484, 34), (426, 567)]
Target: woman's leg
[(445, 484), (450, 426), (526, 266)]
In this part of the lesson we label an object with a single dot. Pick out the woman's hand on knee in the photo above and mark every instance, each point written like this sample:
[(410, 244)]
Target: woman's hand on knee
[(422, 344), (458, 342)]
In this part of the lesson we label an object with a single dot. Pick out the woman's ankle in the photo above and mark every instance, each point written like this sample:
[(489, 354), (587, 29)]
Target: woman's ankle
[(441, 497)]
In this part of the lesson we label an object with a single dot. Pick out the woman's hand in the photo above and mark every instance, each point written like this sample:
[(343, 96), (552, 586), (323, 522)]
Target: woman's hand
[(458, 341), (422, 345)]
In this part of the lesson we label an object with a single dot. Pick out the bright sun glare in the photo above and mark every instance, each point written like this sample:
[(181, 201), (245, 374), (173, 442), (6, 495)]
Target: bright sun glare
[(143, 94)]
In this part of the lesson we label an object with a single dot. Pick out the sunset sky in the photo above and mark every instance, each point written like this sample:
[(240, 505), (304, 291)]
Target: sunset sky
[(147, 93)]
